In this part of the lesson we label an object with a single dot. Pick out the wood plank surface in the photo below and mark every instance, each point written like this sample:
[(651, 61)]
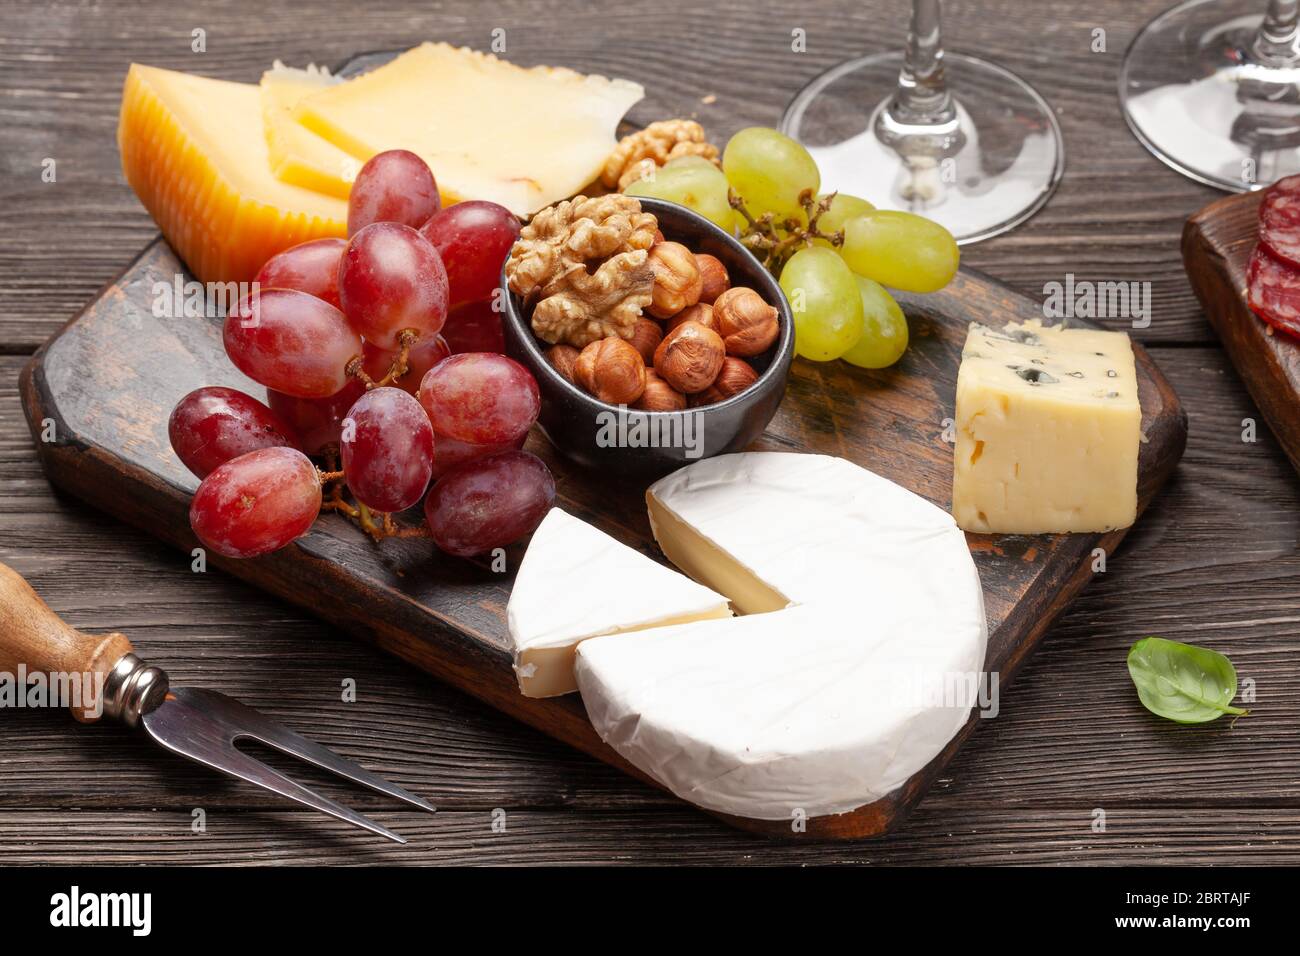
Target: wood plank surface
[(1215, 560)]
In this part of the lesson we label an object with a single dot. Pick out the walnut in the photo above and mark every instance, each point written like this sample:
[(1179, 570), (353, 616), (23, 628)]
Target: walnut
[(582, 264), (638, 154)]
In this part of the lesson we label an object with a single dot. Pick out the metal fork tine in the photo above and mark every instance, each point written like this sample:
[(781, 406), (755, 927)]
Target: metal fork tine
[(204, 725), (295, 745), (253, 770)]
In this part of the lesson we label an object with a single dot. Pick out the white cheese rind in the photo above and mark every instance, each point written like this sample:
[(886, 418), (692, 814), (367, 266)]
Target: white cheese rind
[(1048, 431), (821, 707), (577, 582)]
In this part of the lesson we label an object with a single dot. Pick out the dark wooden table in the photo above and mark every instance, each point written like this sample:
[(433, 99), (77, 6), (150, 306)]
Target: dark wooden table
[(1214, 562)]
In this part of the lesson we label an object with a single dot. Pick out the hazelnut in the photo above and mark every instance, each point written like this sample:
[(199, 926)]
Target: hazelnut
[(734, 377), (713, 276), (700, 312), (645, 338), (659, 396), (677, 279), (562, 359), (612, 370), (747, 324), (689, 357)]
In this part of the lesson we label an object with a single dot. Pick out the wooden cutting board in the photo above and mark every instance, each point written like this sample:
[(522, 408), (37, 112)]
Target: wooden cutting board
[(98, 395), (1217, 243)]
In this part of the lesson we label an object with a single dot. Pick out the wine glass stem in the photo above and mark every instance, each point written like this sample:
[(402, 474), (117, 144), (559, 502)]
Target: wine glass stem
[(922, 94), (1275, 43)]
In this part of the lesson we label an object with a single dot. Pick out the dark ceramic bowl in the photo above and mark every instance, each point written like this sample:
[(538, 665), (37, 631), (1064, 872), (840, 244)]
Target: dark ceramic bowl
[(631, 442)]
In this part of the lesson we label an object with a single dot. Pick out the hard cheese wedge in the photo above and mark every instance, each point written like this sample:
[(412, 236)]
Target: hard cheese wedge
[(296, 154), (490, 130), (194, 151), (611, 589), (831, 701), (1048, 430)]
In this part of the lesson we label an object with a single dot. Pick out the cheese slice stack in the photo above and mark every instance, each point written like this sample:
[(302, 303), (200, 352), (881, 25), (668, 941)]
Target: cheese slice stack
[(297, 155), (194, 150), (488, 129), (853, 669), (577, 582)]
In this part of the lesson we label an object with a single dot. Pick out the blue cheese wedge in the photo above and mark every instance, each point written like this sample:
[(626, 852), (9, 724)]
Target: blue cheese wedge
[(1048, 429)]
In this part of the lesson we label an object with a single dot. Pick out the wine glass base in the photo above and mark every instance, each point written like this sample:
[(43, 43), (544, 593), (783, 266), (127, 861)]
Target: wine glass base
[(1000, 170), (1196, 94)]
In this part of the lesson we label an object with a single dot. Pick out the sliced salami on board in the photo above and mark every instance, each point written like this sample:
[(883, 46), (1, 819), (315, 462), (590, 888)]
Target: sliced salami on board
[(1279, 221), (1273, 291)]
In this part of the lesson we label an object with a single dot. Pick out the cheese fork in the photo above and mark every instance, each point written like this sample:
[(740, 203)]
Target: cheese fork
[(201, 725)]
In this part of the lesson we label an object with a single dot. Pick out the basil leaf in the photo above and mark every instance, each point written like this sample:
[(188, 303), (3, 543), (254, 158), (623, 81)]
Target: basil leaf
[(1184, 683)]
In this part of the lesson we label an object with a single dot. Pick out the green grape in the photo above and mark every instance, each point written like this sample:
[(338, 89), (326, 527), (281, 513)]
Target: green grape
[(825, 301), (900, 250), (884, 328), (769, 170), (843, 208), (693, 182)]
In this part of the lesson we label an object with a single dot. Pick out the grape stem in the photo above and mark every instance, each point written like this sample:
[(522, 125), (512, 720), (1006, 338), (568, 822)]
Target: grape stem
[(362, 516), (399, 367), (774, 243)]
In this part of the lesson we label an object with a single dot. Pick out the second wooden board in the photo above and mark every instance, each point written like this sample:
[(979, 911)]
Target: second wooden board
[(1217, 243)]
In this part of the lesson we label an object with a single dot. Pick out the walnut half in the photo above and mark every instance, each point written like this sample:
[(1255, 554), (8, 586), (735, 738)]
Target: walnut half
[(582, 265), (639, 154)]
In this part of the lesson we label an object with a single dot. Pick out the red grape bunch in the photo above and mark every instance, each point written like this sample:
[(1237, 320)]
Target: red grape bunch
[(381, 356)]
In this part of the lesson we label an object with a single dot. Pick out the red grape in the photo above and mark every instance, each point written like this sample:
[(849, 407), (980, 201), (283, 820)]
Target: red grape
[(257, 502), (292, 342), (450, 453), (489, 503), (473, 239), (311, 267), (394, 186), (390, 279), (212, 425), (387, 450), (480, 398), (475, 327), (422, 356), (317, 421)]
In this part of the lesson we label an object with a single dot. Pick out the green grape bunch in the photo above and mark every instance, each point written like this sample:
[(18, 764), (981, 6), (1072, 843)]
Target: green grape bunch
[(835, 255)]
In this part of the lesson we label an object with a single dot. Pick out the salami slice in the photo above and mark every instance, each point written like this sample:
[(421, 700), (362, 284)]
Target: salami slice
[(1279, 221), (1273, 291)]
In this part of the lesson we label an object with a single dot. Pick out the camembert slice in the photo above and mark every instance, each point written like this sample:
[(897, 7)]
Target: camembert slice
[(488, 129), (1048, 430), (577, 582)]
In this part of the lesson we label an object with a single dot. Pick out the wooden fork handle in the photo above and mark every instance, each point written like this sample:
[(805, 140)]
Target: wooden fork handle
[(100, 672)]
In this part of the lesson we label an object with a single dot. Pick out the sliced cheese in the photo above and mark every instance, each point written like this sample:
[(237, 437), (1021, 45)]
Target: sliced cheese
[(296, 154), (827, 703), (577, 582), (194, 150), (490, 130), (1048, 430)]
